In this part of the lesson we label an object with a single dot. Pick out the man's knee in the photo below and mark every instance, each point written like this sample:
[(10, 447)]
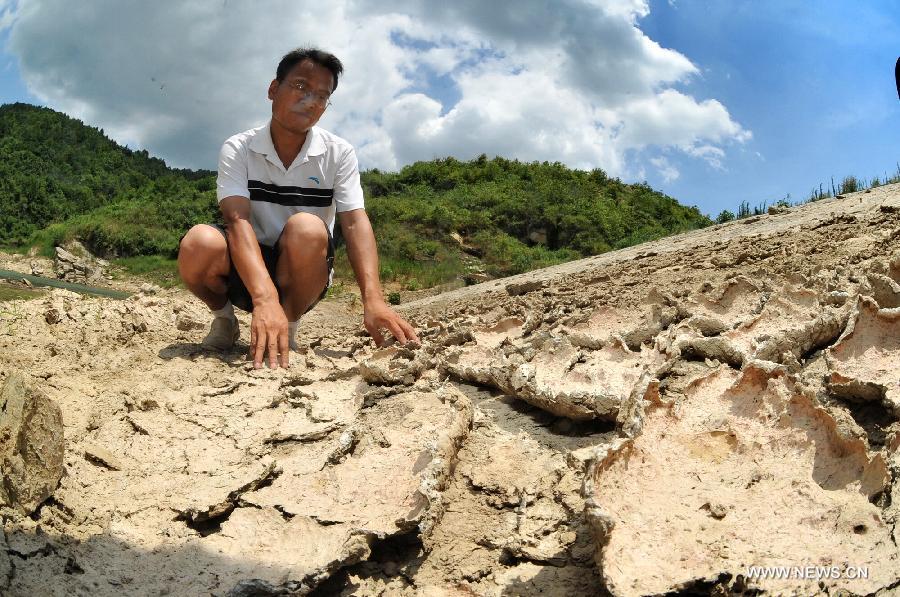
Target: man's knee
[(304, 231), (202, 252), (202, 238)]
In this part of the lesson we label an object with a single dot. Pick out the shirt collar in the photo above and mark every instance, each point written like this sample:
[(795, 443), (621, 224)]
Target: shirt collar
[(313, 146)]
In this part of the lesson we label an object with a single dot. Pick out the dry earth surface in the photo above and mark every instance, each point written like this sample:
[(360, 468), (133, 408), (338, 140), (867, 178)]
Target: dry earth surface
[(651, 421)]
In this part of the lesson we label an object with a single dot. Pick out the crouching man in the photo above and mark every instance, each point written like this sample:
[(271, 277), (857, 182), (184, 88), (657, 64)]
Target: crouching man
[(279, 187)]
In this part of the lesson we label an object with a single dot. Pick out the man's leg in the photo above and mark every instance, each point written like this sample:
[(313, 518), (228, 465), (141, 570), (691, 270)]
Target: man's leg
[(203, 264), (302, 269)]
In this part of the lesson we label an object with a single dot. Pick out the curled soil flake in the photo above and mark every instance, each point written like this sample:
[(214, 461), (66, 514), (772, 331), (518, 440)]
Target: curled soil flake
[(865, 363), (746, 471)]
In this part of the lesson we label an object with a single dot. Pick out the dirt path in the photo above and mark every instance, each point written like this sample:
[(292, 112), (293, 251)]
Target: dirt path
[(656, 419)]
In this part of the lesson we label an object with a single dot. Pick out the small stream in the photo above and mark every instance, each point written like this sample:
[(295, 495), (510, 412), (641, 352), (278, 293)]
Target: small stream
[(79, 288)]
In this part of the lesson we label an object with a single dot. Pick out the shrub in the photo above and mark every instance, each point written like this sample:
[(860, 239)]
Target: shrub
[(724, 216), (849, 185)]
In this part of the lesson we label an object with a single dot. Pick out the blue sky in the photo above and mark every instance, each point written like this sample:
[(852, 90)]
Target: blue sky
[(813, 81), (12, 88), (714, 103)]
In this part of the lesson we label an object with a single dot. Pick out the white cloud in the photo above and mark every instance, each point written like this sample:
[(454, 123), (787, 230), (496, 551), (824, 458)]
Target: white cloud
[(7, 14), (666, 170), (712, 154), (6, 19), (570, 80), (492, 107)]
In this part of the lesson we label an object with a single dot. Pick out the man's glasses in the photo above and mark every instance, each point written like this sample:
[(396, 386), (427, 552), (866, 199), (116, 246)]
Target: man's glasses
[(320, 97)]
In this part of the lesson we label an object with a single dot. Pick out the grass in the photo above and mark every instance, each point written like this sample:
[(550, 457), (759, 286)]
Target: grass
[(159, 270), (8, 292), (11, 314), (849, 184), (412, 273)]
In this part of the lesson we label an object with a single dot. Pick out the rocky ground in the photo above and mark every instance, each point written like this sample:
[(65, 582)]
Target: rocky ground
[(655, 420)]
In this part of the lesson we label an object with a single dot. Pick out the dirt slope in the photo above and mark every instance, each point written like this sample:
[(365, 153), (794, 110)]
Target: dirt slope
[(653, 420)]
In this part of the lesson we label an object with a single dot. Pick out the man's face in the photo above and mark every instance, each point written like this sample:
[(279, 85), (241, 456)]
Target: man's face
[(298, 110)]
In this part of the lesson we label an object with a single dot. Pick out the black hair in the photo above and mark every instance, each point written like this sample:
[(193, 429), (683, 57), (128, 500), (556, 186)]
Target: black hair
[(320, 57)]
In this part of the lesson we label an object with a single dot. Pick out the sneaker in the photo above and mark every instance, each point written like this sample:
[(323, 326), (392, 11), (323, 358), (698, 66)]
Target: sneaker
[(223, 333)]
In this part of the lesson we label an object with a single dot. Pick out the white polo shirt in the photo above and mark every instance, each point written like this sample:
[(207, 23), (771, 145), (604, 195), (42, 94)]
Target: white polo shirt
[(322, 180)]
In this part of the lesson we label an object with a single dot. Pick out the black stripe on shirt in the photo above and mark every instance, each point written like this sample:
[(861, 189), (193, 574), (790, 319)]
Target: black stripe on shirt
[(287, 195)]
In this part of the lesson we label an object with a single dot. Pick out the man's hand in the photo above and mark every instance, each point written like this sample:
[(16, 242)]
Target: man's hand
[(268, 328), (269, 334), (363, 255), (379, 316)]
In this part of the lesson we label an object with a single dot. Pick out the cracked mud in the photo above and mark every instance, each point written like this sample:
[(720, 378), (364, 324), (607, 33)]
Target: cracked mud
[(649, 421)]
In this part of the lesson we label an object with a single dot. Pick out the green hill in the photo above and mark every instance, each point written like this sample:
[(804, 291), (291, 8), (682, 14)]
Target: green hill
[(61, 179), (518, 216)]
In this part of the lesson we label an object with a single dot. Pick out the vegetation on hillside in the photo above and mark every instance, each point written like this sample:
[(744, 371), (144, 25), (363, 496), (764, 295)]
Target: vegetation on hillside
[(515, 216), (849, 184), (60, 179)]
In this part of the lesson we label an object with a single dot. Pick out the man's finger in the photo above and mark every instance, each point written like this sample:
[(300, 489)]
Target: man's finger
[(410, 331), (252, 348), (273, 350), (284, 349), (397, 331), (376, 335), (260, 349)]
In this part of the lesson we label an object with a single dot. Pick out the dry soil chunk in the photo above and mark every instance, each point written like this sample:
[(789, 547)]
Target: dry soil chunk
[(479, 364), (583, 385), (560, 377), (745, 472), (635, 326), (295, 554), (102, 457), (31, 446), (393, 365), (172, 463), (884, 290), (520, 288), (390, 479), (505, 330), (5, 565), (865, 363), (791, 324), (731, 305)]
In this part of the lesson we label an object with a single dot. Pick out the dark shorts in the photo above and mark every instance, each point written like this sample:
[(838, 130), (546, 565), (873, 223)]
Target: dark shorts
[(237, 292)]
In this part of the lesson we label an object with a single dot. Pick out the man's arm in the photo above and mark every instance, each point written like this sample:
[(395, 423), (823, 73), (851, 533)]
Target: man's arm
[(269, 327), (363, 255)]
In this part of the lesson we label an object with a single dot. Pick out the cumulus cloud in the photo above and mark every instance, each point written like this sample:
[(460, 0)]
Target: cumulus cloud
[(492, 107), (574, 81), (7, 15), (668, 172)]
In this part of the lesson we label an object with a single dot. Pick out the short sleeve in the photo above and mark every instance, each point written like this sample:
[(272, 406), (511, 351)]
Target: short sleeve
[(348, 193), (232, 178)]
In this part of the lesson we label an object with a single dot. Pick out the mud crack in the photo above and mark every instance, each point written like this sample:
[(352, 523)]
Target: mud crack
[(209, 520)]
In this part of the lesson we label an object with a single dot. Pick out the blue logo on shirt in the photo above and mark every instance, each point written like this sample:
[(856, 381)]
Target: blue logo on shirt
[(314, 179)]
